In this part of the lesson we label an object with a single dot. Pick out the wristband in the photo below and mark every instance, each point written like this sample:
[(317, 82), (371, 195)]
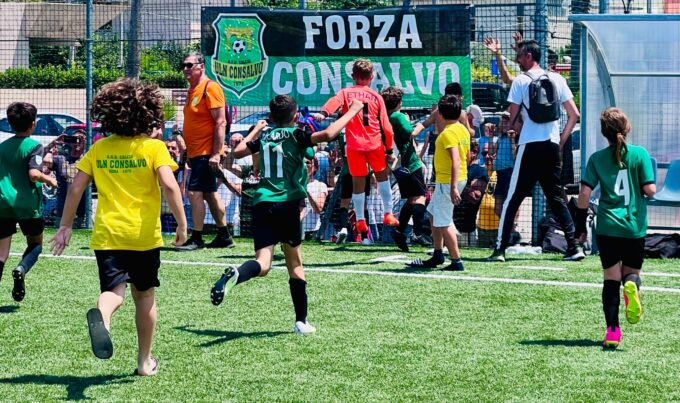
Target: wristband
[(324, 113), (389, 152)]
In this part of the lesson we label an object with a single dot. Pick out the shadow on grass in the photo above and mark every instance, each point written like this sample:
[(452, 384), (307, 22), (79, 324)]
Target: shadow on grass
[(563, 343), (75, 385), (9, 309), (224, 336)]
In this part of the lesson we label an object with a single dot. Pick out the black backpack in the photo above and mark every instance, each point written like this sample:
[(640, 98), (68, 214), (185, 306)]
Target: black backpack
[(544, 103)]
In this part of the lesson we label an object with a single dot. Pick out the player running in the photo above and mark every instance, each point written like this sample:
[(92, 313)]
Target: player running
[(625, 175)]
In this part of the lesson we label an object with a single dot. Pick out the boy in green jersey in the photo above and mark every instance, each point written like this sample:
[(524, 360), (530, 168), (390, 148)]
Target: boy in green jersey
[(276, 201), (410, 177), (21, 192), (625, 175)]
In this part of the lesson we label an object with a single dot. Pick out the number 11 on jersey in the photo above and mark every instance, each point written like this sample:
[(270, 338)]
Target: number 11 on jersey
[(267, 150)]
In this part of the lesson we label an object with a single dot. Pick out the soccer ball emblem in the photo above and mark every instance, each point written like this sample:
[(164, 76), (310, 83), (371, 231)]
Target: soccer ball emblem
[(238, 46)]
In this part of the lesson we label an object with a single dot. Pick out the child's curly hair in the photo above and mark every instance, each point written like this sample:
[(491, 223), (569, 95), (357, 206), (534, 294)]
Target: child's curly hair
[(128, 107), (392, 97)]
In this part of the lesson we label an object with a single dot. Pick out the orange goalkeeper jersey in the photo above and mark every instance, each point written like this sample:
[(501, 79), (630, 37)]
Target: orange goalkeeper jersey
[(363, 132)]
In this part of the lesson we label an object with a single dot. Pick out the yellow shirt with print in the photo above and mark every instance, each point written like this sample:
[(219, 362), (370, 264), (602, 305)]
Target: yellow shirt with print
[(129, 197), (453, 135), (487, 218)]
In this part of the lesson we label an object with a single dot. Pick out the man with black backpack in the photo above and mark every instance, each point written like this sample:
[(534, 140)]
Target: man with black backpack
[(537, 95)]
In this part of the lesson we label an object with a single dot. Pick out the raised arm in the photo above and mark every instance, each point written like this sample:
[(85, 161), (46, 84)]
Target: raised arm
[(332, 131)]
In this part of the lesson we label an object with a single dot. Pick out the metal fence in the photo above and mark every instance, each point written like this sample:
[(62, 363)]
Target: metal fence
[(45, 61)]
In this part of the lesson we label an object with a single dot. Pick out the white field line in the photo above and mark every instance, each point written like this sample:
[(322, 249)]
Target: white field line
[(399, 274), (549, 268)]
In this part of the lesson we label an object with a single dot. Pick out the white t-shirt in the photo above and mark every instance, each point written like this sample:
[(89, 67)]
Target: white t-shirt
[(519, 93), (312, 220)]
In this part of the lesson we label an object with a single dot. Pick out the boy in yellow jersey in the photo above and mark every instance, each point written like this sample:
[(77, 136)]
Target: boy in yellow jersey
[(450, 162), (128, 167)]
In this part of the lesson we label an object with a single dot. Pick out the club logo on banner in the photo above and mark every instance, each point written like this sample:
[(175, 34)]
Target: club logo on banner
[(256, 54), (239, 60)]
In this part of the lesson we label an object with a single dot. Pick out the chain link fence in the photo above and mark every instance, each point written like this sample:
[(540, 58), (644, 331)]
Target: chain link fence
[(44, 62)]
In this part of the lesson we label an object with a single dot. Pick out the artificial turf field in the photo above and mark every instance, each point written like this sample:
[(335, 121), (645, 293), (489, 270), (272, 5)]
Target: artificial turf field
[(384, 333)]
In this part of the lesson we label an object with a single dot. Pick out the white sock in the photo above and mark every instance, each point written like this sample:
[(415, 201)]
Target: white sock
[(386, 195), (359, 200)]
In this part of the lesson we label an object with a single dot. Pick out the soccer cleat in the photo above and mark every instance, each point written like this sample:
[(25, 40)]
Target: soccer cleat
[(19, 289), (192, 244), (390, 220), (303, 328), (366, 242), (631, 297), (342, 236), (574, 254), (612, 338), (455, 266), (221, 242), (399, 239), (422, 240), (223, 286), (362, 226), (497, 256)]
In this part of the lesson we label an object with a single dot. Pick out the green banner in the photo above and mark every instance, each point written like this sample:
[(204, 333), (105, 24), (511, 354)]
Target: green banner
[(312, 80), (256, 54)]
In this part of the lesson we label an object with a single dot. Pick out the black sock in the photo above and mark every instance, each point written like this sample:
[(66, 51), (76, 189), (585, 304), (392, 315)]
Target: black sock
[(438, 254), (30, 256), (418, 218), (197, 235), (298, 292), (634, 278), (223, 232), (344, 218), (248, 270), (611, 299), (405, 216)]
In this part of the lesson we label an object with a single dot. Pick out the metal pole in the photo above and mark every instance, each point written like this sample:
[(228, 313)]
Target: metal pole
[(302, 4), (603, 6), (88, 102), (541, 17), (649, 6), (133, 62)]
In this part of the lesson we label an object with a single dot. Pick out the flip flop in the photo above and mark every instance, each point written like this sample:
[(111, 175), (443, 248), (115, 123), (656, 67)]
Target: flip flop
[(99, 336), (154, 370)]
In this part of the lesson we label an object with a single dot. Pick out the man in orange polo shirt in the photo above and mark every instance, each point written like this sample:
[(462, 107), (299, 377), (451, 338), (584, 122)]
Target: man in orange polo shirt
[(205, 124)]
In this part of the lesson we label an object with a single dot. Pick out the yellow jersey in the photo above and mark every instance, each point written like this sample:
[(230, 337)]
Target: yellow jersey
[(129, 197), (453, 135)]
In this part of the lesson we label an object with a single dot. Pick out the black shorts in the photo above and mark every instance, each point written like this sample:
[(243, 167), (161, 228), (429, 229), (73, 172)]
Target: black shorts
[(412, 185), (348, 187), (275, 222), (629, 251), (137, 267), (202, 178), (29, 226)]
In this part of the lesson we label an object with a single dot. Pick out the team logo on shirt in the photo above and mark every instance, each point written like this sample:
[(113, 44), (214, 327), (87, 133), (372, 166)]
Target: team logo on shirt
[(239, 60)]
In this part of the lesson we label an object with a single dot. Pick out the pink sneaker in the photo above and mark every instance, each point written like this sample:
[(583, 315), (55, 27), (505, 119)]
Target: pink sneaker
[(612, 338)]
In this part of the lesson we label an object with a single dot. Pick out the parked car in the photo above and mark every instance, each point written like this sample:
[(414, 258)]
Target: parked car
[(48, 126), (491, 97)]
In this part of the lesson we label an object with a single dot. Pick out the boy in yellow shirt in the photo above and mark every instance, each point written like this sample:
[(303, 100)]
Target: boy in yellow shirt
[(450, 162), (128, 167)]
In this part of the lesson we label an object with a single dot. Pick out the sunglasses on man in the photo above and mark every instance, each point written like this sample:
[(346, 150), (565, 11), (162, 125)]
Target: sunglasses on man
[(188, 65)]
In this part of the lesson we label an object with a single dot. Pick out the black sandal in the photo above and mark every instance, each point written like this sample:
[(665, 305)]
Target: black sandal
[(99, 336)]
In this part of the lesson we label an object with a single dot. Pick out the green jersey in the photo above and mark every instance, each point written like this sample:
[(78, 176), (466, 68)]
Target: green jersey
[(622, 211), (342, 148), (20, 197), (282, 170), (402, 137)]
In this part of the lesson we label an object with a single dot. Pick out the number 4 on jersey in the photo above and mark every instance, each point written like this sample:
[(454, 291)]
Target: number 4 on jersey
[(622, 187)]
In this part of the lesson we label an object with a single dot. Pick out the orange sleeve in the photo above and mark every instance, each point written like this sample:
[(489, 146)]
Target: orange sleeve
[(386, 125), (332, 105), (214, 96)]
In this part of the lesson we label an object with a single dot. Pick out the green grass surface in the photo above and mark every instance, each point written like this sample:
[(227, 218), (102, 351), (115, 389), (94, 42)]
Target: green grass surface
[(379, 337)]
